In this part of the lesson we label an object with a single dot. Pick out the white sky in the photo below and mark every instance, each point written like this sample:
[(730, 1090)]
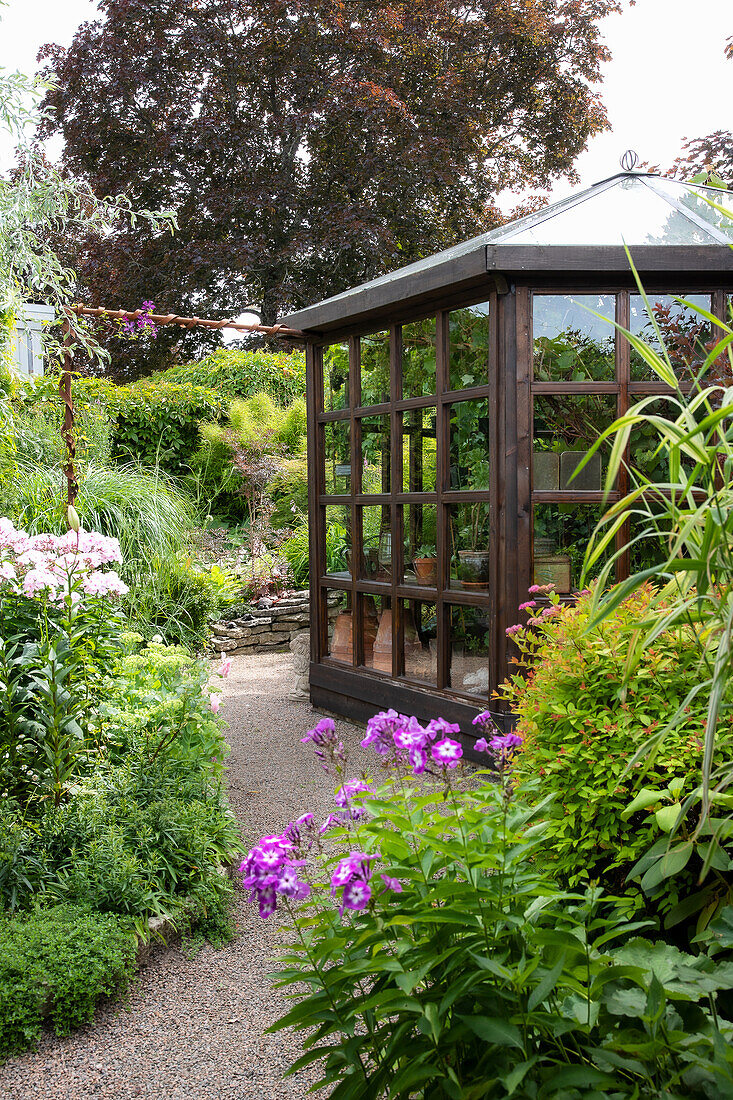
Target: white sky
[(668, 78)]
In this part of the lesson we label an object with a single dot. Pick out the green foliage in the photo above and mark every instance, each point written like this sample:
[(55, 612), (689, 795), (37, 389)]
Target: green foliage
[(143, 509), (234, 373), (479, 978), (60, 960), (168, 596), (154, 423), (583, 726), (295, 549), (685, 516)]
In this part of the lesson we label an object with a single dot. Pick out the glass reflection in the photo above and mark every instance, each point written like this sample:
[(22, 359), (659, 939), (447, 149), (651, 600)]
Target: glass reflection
[(418, 358), (685, 334), (571, 343), (469, 347)]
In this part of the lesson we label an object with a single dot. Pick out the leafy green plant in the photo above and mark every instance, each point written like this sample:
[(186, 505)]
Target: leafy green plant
[(430, 955), (58, 961), (583, 724)]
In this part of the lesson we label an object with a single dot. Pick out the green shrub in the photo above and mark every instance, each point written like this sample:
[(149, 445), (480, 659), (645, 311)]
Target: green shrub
[(153, 422), (583, 725), (62, 960), (171, 598), (233, 373)]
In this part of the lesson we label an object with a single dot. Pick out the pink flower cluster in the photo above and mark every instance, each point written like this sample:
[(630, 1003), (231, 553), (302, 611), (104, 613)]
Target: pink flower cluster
[(58, 566), (403, 739), (269, 870)]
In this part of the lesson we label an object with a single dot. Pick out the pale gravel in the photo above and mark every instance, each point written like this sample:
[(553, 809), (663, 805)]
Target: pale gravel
[(193, 1029)]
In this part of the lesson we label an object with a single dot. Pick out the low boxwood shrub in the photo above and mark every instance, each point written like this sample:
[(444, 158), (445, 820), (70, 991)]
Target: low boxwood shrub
[(582, 726), (58, 961)]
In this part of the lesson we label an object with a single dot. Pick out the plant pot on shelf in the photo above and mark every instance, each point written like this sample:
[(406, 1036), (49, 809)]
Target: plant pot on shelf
[(551, 568), (426, 570), (473, 568), (383, 641), (342, 643)]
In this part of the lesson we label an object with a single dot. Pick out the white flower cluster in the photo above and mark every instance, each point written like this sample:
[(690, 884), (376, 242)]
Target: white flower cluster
[(58, 566)]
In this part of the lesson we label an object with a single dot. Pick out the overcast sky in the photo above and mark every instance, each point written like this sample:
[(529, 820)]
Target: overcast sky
[(668, 78)]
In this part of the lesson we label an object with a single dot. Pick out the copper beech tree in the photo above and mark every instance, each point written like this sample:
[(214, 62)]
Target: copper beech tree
[(306, 145)]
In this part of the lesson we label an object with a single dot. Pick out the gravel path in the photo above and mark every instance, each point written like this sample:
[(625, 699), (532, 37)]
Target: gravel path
[(194, 1028)]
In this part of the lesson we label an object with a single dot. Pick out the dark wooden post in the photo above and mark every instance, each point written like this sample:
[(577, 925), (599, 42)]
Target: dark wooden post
[(67, 432)]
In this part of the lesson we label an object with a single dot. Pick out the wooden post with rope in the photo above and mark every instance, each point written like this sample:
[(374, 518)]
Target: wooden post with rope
[(67, 432), (65, 391)]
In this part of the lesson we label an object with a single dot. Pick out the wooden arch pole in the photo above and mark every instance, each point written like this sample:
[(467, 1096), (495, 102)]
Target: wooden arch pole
[(67, 432)]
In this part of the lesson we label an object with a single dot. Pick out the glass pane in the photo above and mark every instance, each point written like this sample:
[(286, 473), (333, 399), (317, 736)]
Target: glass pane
[(686, 335), (419, 451), (337, 451), (561, 535), (469, 347), (644, 441), (375, 369), (420, 527), (377, 543), (470, 638), (338, 540), (375, 451), (469, 546), (469, 444), (565, 427), (571, 344), (371, 607), (336, 377), (648, 547), (339, 646), (381, 655), (420, 632), (418, 358), (628, 211), (699, 201)]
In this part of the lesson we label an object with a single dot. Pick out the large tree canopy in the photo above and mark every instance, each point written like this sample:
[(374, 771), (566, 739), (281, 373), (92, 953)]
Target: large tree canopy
[(713, 153), (306, 145)]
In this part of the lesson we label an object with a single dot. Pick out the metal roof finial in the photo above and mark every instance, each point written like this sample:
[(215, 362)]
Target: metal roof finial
[(629, 160)]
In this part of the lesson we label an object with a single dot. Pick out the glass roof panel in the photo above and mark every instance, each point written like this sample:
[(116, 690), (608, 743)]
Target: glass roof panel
[(697, 202), (626, 209)]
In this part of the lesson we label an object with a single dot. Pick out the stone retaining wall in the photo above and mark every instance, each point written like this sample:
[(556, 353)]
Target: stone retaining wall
[(263, 630)]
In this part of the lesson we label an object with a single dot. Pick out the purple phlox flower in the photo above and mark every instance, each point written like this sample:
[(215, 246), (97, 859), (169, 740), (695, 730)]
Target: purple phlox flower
[(352, 875), (392, 884), (481, 745), (149, 306), (527, 604), (512, 630), (288, 883), (447, 753), (325, 743), (504, 747), (268, 870), (356, 896), (346, 792), (440, 727), (418, 760), (332, 821), (381, 729), (484, 721), (301, 832), (410, 736)]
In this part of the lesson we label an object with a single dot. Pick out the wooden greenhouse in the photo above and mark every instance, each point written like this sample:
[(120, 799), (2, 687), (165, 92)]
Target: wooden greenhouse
[(449, 404)]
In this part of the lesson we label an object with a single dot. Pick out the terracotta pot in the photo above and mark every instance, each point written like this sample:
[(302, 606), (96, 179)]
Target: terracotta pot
[(383, 642), (426, 570), (342, 643), (473, 568)]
